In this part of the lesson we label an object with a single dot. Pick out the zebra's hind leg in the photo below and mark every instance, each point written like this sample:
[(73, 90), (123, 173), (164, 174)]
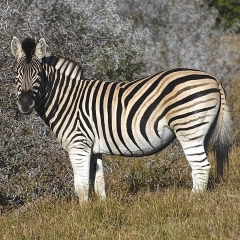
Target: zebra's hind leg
[(97, 175), (197, 158)]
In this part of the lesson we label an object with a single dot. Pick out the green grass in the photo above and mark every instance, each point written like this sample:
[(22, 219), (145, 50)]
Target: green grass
[(167, 214)]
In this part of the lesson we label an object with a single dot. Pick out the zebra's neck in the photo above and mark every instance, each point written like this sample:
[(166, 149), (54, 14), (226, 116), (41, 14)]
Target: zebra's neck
[(58, 75)]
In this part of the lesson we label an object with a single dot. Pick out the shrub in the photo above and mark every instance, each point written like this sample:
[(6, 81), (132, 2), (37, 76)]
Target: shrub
[(113, 41), (229, 12)]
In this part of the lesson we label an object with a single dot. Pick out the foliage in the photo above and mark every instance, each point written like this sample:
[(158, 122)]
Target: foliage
[(118, 40), (107, 46), (229, 12)]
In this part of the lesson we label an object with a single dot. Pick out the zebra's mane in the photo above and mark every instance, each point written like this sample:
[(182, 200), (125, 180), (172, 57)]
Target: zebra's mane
[(76, 63), (71, 60), (53, 59), (29, 46)]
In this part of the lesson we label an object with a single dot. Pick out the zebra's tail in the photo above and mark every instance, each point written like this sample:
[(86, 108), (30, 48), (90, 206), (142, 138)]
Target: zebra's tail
[(222, 135)]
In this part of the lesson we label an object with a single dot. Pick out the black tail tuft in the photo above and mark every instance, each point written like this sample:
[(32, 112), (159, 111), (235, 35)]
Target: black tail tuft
[(221, 152), (222, 141)]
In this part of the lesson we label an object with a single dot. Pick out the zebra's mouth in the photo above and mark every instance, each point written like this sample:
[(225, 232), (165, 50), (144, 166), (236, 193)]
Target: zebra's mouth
[(25, 102), (25, 113), (25, 109)]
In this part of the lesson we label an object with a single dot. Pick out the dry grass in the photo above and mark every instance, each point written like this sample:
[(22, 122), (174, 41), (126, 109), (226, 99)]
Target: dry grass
[(167, 214)]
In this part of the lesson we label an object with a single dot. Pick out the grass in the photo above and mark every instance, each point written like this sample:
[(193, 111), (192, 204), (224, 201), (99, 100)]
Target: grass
[(166, 214)]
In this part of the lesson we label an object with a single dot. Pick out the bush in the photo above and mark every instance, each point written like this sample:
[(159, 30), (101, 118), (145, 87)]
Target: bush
[(229, 12), (118, 40)]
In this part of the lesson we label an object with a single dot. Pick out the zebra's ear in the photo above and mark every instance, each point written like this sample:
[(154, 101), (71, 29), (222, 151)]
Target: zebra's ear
[(16, 47), (41, 48)]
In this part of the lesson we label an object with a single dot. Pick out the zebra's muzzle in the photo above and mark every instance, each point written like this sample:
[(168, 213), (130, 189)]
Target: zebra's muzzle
[(25, 102)]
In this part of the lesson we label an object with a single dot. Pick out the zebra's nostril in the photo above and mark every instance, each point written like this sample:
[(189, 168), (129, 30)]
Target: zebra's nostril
[(25, 102)]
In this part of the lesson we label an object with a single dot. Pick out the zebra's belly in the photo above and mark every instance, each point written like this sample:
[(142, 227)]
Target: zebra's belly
[(155, 143)]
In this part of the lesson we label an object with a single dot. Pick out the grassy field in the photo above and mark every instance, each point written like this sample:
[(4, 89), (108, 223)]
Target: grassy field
[(166, 214)]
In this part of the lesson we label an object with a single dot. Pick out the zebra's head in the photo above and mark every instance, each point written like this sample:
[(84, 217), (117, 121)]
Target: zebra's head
[(29, 56)]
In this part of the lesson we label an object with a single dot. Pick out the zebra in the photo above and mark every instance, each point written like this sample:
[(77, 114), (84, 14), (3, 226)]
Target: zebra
[(132, 118)]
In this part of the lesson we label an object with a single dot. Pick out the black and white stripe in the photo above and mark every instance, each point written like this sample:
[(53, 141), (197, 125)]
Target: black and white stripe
[(126, 118)]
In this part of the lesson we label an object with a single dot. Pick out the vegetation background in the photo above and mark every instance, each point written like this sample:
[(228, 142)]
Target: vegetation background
[(117, 40)]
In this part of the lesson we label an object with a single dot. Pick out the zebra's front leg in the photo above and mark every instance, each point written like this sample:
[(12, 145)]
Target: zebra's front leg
[(80, 161), (97, 175)]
